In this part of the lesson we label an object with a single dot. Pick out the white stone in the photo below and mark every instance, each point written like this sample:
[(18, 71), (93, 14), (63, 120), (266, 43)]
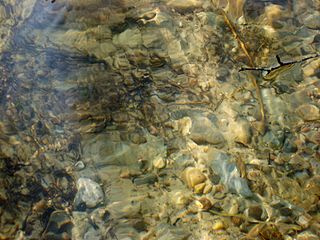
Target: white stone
[(89, 192)]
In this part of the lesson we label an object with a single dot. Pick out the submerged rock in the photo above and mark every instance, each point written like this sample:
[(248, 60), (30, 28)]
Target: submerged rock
[(193, 177), (105, 151), (128, 208), (82, 228), (128, 38), (308, 112), (222, 164), (241, 131), (273, 139), (59, 226), (312, 21), (159, 163), (203, 131), (218, 225), (145, 179), (167, 232), (184, 4), (89, 193)]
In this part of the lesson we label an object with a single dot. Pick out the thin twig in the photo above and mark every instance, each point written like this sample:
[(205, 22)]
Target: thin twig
[(251, 77)]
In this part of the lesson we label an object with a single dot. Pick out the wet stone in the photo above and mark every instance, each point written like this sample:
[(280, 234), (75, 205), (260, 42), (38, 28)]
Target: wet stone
[(273, 139), (218, 225), (165, 232), (59, 226), (308, 112), (222, 165), (145, 179), (289, 145), (89, 193), (79, 165), (159, 163), (255, 212), (83, 228), (203, 131), (193, 177), (129, 208), (307, 235), (129, 38), (184, 4), (312, 22), (242, 132)]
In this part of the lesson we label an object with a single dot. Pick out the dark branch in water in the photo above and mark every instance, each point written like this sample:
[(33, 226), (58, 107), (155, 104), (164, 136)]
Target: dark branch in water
[(278, 59), (281, 64)]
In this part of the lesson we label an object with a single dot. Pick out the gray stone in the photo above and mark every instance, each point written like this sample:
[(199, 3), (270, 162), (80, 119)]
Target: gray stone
[(104, 151), (273, 139), (82, 227), (152, 39), (203, 131), (167, 232), (129, 208), (312, 21), (176, 53), (92, 234), (145, 179), (89, 192), (289, 146), (129, 38), (59, 226), (223, 165)]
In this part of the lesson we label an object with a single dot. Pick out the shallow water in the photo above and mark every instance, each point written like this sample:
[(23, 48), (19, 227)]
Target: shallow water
[(159, 119)]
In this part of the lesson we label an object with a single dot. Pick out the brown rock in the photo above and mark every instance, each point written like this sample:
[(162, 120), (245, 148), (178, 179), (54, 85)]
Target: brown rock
[(193, 176), (242, 132), (308, 112)]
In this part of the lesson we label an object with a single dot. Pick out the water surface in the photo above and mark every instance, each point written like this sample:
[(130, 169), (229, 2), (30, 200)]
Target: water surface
[(159, 119)]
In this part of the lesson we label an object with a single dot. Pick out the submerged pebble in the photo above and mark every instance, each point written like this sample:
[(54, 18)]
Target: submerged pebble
[(145, 179), (223, 165), (203, 131), (242, 132), (308, 112), (218, 225), (312, 21), (193, 176), (159, 163)]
